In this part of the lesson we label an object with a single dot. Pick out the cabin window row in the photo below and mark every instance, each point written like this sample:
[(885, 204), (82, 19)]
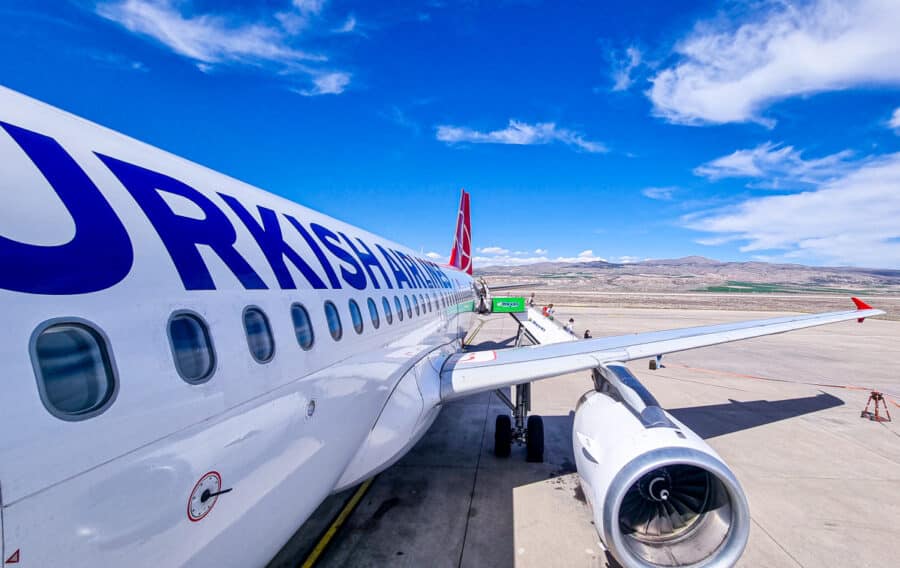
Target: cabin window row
[(76, 373)]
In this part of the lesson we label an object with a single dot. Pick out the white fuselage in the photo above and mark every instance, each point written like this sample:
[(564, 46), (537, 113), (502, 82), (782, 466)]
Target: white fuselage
[(112, 487)]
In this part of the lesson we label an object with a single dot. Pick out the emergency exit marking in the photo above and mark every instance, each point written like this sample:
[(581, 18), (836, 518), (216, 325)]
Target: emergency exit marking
[(14, 559)]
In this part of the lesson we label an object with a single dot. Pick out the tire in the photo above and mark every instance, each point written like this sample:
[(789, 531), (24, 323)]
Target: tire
[(534, 440), (502, 436), (653, 364)]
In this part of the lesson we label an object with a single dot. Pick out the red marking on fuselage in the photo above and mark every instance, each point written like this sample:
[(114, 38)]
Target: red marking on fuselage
[(191, 517)]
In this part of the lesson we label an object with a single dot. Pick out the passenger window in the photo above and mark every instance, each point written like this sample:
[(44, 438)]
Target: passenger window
[(355, 316), (191, 348), (408, 306), (387, 310), (75, 374), (373, 313), (399, 308), (416, 304), (334, 321), (259, 335), (302, 326)]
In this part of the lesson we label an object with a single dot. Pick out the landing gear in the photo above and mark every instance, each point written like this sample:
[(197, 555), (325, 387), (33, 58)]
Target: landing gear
[(528, 430), (502, 436), (534, 440), (656, 363)]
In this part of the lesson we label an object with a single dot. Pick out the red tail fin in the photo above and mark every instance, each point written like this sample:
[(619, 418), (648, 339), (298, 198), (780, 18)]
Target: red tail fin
[(461, 255)]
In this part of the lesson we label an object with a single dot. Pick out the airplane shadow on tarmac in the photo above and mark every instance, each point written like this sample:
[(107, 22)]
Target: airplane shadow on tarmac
[(720, 419)]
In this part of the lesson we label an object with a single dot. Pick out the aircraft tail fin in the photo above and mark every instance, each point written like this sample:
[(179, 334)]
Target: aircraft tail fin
[(461, 254)]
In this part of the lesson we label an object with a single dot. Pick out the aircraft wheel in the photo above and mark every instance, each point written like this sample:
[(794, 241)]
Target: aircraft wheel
[(534, 442), (653, 364), (502, 436)]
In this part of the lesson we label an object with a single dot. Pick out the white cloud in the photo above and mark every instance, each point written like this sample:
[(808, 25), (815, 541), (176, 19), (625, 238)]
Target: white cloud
[(519, 133), (778, 165), (851, 220), (512, 259), (212, 41), (204, 38), (327, 84), (292, 22), (348, 26), (116, 60), (895, 120), (433, 255), (309, 6), (396, 115), (660, 193), (493, 250), (728, 71), (623, 65), (299, 19)]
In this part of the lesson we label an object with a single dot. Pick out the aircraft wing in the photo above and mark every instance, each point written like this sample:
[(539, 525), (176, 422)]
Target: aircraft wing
[(478, 371)]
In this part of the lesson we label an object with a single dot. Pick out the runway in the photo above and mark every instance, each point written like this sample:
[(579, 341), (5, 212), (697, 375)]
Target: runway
[(783, 411)]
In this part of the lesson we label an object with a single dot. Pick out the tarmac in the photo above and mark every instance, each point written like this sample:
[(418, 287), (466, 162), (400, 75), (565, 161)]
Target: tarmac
[(783, 412)]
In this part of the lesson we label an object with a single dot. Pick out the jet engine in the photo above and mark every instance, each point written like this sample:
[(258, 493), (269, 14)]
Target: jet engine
[(660, 495)]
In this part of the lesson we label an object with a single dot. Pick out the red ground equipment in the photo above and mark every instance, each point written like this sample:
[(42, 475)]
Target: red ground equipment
[(878, 399)]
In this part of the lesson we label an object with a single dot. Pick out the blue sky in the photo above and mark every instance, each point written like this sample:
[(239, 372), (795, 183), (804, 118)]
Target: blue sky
[(584, 130)]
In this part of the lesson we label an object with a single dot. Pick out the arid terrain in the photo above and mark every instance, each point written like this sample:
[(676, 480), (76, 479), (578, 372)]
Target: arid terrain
[(701, 283)]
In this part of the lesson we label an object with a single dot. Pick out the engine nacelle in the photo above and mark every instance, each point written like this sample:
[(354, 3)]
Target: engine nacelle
[(660, 495)]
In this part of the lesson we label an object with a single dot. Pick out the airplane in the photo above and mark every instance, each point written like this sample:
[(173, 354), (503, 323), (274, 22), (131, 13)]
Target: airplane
[(191, 365)]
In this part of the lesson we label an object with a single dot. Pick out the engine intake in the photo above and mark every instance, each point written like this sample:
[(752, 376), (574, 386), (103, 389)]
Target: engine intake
[(660, 495), (676, 507)]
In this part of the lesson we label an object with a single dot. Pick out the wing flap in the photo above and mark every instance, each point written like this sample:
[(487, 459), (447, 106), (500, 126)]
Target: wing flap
[(469, 373)]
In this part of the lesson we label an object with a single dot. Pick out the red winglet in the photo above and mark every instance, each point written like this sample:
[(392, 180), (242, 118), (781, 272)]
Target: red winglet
[(860, 305)]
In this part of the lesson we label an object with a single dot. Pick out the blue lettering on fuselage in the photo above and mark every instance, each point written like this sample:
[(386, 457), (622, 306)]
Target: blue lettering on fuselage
[(368, 260), (426, 276), (268, 237), (181, 234), (317, 250), (410, 268), (355, 278), (399, 275), (100, 254)]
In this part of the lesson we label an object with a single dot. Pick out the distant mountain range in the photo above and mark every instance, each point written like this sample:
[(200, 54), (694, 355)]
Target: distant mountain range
[(697, 273)]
